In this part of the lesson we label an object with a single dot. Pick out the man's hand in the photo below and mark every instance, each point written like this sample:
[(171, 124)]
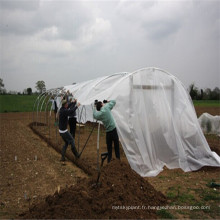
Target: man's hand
[(78, 104)]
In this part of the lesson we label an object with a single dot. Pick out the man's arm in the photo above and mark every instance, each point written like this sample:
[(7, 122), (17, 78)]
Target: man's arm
[(72, 109), (72, 103), (110, 104)]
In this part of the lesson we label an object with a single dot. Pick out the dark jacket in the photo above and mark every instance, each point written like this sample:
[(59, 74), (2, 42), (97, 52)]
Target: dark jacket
[(71, 105), (63, 116)]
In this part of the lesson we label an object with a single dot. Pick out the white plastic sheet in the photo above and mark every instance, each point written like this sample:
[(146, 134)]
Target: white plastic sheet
[(209, 123), (155, 118)]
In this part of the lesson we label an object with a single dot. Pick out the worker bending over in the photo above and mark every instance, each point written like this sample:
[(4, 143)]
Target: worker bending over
[(103, 113)]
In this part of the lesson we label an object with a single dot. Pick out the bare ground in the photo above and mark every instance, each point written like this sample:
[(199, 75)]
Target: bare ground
[(30, 170)]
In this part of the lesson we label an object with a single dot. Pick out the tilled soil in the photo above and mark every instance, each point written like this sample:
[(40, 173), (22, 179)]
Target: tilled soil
[(29, 168), (211, 110), (119, 193), (32, 177)]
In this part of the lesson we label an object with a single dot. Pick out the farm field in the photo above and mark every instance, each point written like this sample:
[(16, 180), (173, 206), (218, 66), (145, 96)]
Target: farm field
[(17, 103), (206, 103), (34, 181)]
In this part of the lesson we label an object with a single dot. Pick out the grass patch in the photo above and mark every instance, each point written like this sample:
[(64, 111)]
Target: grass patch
[(25, 103), (186, 198), (180, 196), (212, 137), (171, 195), (211, 195), (207, 103), (17, 103), (162, 177), (164, 214), (191, 207)]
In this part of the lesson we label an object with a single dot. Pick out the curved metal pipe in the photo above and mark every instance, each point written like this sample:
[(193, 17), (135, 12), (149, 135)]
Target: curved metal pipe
[(107, 77), (50, 94), (42, 103), (54, 92), (39, 103), (46, 107), (46, 95), (37, 99)]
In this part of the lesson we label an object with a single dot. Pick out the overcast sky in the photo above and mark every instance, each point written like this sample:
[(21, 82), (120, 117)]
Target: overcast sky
[(61, 42)]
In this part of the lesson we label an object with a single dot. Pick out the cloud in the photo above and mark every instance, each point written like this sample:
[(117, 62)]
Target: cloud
[(22, 5), (94, 34), (65, 41), (17, 22), (157, 19)]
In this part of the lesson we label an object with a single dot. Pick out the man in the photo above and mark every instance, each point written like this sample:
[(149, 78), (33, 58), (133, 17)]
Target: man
[(72, 120), (104, 114), (65, 111)]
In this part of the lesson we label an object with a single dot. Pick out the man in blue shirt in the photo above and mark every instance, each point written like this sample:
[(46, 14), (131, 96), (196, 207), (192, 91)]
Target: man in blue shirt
[(103, 113)]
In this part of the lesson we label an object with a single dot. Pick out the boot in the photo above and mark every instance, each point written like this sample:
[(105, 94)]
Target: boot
[(62, 159), (76, 154)]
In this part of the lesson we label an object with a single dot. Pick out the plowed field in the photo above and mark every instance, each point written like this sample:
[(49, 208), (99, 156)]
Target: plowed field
[(32, 179)]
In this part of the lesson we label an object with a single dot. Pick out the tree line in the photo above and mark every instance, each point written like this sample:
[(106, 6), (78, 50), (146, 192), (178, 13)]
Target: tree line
[(206, 94), (195, 92), (40, 86)]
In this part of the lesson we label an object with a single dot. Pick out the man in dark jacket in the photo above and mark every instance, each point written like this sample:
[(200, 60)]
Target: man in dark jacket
[(72, 120), (65, 111)]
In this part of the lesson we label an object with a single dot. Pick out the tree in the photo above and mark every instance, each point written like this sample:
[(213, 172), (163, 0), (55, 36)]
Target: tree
[(207, 93), (193, 91), (40, 86), (25, 92), (2, 89), (29, 91), (215, 94), (201, 94)]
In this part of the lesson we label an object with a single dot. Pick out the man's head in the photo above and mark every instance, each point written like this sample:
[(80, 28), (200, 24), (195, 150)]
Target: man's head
[(64, 103), (99, 105)]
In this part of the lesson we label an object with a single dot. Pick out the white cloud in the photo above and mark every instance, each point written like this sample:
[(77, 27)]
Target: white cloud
[(22, 5), (65, 41), (95, 33), (16, 22), (158, 19), (50, 33)]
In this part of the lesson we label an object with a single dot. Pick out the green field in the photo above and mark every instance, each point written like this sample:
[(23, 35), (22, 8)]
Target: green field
[(25, 103), (207, 103), (17, 103)]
